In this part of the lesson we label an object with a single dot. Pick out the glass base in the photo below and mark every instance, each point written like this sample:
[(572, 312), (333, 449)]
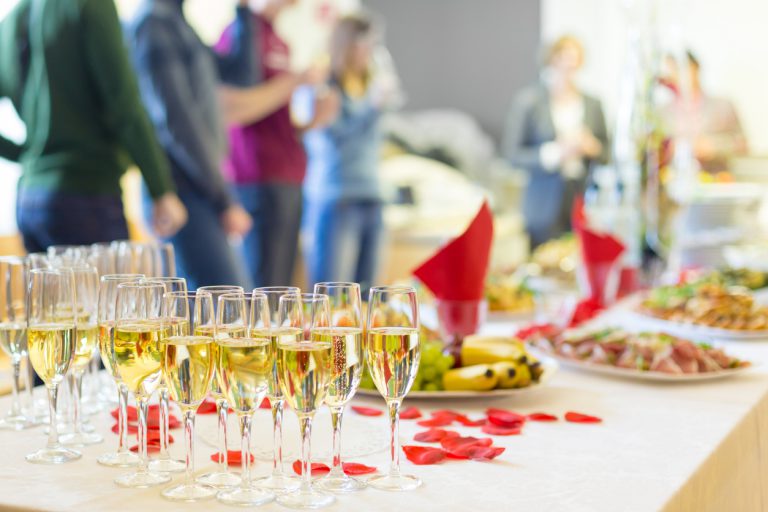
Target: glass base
[(395, 482), (141, 479), (17, 422), (246, 497), (87, 427), (219, 479), (58, 455), (340, 484), (189, 492), (278, 483), (306, 499), (167, 466), (81, 439), (119, 460)]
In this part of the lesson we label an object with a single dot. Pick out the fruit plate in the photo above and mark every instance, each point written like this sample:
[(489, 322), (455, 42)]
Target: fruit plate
[(697, 332), (549, 364)]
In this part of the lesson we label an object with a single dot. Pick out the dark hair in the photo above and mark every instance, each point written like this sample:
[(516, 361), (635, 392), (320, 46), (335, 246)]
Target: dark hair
[(346, 33), (692, 59)]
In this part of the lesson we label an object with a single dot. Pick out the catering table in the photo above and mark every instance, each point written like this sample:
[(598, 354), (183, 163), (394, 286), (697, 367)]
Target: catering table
[(676, 447)]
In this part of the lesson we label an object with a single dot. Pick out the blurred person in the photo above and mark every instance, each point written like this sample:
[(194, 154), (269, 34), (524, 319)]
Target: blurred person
[(64, 67), (343, 223), (555, 132), (266, 162), (711, 123)]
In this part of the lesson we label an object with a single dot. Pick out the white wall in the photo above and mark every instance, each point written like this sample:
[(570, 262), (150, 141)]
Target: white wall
[(729, 37)]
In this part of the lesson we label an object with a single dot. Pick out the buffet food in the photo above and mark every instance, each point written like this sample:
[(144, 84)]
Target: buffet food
[(737, 277), (508, 294)]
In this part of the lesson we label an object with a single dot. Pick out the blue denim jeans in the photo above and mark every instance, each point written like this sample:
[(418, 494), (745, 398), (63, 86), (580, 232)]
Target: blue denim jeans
[(204, 255), (48, 218), (271, 246), (343, 241)]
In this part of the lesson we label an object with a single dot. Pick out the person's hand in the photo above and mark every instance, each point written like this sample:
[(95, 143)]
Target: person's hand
[(327, 105), (242, 3), (236, 221), (589, 145), (168, 215), (315, 75), (704, 148)]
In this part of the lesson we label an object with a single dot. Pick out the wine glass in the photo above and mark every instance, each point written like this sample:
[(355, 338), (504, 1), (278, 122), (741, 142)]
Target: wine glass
[(220, 478), (51, 326), (392, 353), (166, 260), (13, 336), (86, 335), (244, 367), (164, 463), (345, 334), (102, 256), (304, 369), (188, 366), (108, 284), (138, 334), (278, 481), (36, 410)]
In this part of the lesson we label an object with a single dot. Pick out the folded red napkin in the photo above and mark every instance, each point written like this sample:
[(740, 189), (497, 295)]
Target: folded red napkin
[(600, 253)]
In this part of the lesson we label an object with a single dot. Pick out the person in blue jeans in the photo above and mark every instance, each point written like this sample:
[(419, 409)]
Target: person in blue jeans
[(342, 226)]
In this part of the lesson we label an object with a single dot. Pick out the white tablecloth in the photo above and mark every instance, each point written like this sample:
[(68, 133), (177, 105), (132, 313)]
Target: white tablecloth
[(677, 447)]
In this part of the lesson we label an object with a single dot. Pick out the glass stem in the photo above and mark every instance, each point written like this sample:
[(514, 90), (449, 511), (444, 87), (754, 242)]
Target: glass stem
[(163, 392), (277, 446), (143, 409), (394, 444), (306, 453), (30, 383), (336, 415), (189, 436), (53, 433), (221, 410), (245, 450), (77, 397), (122, 418), (16, 406)]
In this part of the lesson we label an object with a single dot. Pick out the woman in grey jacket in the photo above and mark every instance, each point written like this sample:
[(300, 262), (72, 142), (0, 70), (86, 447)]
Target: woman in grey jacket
[(556, 133)]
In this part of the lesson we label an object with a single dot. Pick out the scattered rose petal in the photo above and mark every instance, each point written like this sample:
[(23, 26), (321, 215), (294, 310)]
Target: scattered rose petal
[(265, 404), (132, 428), (366, 411), (152, 447), (318, 468), (153, 436), (133, 413), (504, 418), (207, 407), (496, 430), (542, 416), (434, 435), (483, 452), (471, 423), (452, 443), (577, 417), (153, 422), (234, 457), (355, 468), (436, 421), (470, 448), (410, 413), (423, 455)]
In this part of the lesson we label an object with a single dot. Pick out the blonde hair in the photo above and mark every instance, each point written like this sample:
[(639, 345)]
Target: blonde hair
[(558, 45), (346, 33)]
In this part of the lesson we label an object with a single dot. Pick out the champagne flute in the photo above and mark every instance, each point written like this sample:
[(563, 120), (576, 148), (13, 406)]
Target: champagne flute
[(278, 481), (51, 342), (345, 334), (188, 366), (87, 333), (138, 334), (108, 284), (304, 369), (13, 336), (392, 353), (220, 478), (244, 367), (164, 463)]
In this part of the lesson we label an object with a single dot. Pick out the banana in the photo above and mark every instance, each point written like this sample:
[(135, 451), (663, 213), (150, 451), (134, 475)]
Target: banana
[(470, 378), (507, 374), (523, 376)]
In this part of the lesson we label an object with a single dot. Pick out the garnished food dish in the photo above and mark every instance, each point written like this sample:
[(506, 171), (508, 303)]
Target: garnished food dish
[(508, 294), (557, 256), (642, 352), (736, 277), (707, 305)]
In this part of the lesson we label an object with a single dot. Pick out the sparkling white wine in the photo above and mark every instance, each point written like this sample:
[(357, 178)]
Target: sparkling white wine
[(106, 350), (179, 326), (12, 339), (188, 368), (276, 336), (219, 332), (304, 369), (244, 368), (51, 350), (393, 355), (346, 361), (138, 355), (87, 336)]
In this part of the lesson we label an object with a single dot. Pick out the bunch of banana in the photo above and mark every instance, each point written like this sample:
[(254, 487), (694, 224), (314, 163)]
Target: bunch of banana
[(493, 363)]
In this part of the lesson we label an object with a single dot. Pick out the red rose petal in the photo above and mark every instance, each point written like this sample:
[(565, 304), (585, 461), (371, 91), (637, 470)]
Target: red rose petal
[(483, 452), (207, 407), (354, 468), (496, 430), (410, 413), (265, 404), (434, 435), (234, 457), (447, 413), (366, 411), (542, 416), (471, 423), (153, 436), (504, 418), (577, 417), (318, 468), (153, 421), (132, 428), (151, 447), (452, 443), (436, 421), (424, 455)]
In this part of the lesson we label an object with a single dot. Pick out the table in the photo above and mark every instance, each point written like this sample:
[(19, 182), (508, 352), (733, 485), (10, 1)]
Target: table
[(678, 447)]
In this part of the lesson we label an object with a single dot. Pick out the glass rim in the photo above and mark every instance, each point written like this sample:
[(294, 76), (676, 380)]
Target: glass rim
[(140, 284), (119, 277), (288, 290), (188, 294), (393, 289), (51, 270), (11, 259), (244, 341), (221, 287), (337, 284)]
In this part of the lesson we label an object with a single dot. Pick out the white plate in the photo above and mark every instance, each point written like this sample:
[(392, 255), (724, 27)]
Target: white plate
[(509, 316), (653, 376), (697, 332), (550, 367)]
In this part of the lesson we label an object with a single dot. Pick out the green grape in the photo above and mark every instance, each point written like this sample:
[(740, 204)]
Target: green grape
[(429, 374), (444, 364), (429, 355), (432, 386)]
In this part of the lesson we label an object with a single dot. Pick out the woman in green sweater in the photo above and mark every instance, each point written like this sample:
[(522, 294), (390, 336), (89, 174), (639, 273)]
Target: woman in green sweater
[(64, 67)]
